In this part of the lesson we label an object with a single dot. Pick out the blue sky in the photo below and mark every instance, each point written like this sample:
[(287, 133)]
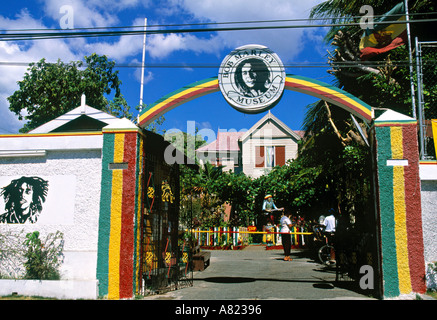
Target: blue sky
[(190, 52)]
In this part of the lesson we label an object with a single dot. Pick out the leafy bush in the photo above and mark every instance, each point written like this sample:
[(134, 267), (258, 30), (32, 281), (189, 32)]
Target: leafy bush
[(43, 257)]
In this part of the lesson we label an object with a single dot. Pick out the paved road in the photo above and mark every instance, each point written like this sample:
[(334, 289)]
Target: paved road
[(259, 274)]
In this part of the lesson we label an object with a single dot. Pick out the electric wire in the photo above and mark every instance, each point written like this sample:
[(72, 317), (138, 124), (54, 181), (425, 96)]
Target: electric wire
[(345, 64), (221, 23), (88, 34)]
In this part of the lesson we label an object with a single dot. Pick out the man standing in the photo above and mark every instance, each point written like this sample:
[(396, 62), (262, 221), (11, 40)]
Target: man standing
[(286, 225)]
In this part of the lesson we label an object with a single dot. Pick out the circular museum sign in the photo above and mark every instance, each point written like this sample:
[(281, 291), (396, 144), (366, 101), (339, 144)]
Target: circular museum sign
[(252, 78)]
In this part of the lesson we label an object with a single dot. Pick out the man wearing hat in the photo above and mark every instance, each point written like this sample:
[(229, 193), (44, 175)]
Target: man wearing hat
[(269, 207)]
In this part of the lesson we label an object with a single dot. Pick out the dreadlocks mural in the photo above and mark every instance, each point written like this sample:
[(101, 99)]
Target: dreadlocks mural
[(23, 200)]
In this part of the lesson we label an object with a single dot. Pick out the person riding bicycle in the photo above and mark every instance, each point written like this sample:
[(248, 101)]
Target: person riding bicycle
[(269, 207), (330, 224)]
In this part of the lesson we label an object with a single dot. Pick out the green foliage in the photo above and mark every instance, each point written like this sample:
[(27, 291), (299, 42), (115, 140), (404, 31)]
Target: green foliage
[(384, 81), (327, 173), (43, 257), (49, 90)]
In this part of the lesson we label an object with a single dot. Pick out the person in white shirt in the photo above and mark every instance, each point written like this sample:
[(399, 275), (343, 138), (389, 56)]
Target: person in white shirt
[(330, 224), (286, 225)]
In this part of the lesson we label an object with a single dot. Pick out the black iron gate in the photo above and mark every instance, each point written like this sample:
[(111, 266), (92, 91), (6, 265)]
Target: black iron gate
[(165, 259)]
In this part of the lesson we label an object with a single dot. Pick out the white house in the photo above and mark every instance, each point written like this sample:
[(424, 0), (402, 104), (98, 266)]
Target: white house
[(268, 143)]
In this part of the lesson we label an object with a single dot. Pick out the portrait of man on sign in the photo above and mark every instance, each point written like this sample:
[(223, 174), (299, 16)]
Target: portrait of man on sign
[(23, 199), (252, 77)]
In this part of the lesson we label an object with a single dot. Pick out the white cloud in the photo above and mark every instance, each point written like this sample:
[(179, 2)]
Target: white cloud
[(148, 75), (120, 50), (287, 43), (160, 46), (26, 52), (84, 13), (91, 13)]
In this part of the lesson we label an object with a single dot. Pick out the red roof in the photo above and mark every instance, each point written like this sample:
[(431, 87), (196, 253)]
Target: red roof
[(226, 141)]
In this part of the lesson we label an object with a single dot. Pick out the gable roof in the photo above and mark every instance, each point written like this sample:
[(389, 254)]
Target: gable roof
[(270, 117), (82, 118), (226, 141)]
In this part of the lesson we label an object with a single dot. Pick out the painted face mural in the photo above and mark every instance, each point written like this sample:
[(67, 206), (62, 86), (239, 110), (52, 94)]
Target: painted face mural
[(23, 199), (252, 78)]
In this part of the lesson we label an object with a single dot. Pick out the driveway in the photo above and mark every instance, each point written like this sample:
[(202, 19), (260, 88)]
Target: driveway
[(255, 273)]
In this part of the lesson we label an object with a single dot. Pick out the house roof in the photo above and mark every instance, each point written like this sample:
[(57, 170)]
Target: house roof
[(81, 118), (226, 141), (270, 117)]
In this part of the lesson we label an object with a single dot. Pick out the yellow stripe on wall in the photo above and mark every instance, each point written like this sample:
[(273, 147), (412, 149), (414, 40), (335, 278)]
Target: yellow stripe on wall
[(115, 233), (400, 213)]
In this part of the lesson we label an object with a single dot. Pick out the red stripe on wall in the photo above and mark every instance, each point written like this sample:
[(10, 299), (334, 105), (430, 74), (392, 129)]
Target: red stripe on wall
[(413, 209), (128, 217)]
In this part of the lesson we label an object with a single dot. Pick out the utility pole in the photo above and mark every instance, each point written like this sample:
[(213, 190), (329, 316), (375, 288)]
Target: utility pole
[(413, 95), (142, 65)]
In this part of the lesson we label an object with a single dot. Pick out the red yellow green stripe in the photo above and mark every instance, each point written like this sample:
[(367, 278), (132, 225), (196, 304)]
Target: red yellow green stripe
[(413, 210), (400, 209), (292, 82), (115, 233), (400, 213), (177, 98), (331, 94), (119, 216)]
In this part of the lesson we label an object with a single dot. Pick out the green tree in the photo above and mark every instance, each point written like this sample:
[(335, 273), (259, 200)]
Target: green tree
[(49, 90), (384, 80)]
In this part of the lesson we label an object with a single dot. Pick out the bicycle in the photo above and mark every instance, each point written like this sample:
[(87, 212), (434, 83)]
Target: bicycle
[(326, 251)]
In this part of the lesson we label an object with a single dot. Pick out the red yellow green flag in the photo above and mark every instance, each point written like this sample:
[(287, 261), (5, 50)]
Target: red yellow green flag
[(385, 37)]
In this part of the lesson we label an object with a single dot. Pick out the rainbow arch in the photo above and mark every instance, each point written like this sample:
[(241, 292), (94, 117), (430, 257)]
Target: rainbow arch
[(301, 84)]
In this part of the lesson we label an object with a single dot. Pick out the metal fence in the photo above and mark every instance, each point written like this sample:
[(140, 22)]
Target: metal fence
[(165, 256), (236, 237), (426, 70)]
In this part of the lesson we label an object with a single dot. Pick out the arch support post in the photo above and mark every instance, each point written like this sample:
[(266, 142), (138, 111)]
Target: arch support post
[(120, 211), (399, 205)]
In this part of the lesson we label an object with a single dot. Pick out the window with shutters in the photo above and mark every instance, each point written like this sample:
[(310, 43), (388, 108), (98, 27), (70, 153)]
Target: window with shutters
[(259, 157), (269, 156), (280, 155)]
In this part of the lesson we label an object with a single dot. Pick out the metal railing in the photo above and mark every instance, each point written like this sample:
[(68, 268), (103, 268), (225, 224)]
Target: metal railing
[(240, 236)]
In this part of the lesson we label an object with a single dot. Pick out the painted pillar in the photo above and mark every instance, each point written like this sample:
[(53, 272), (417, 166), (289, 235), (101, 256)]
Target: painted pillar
[(120, 211), (402, 251)]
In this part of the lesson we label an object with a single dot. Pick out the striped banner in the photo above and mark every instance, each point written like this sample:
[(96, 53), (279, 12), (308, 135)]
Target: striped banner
[(305, 85)]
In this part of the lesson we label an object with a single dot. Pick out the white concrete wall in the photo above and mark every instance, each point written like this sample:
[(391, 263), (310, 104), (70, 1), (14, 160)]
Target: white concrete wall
[(62, 289), (75, 173), (428, 177)]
